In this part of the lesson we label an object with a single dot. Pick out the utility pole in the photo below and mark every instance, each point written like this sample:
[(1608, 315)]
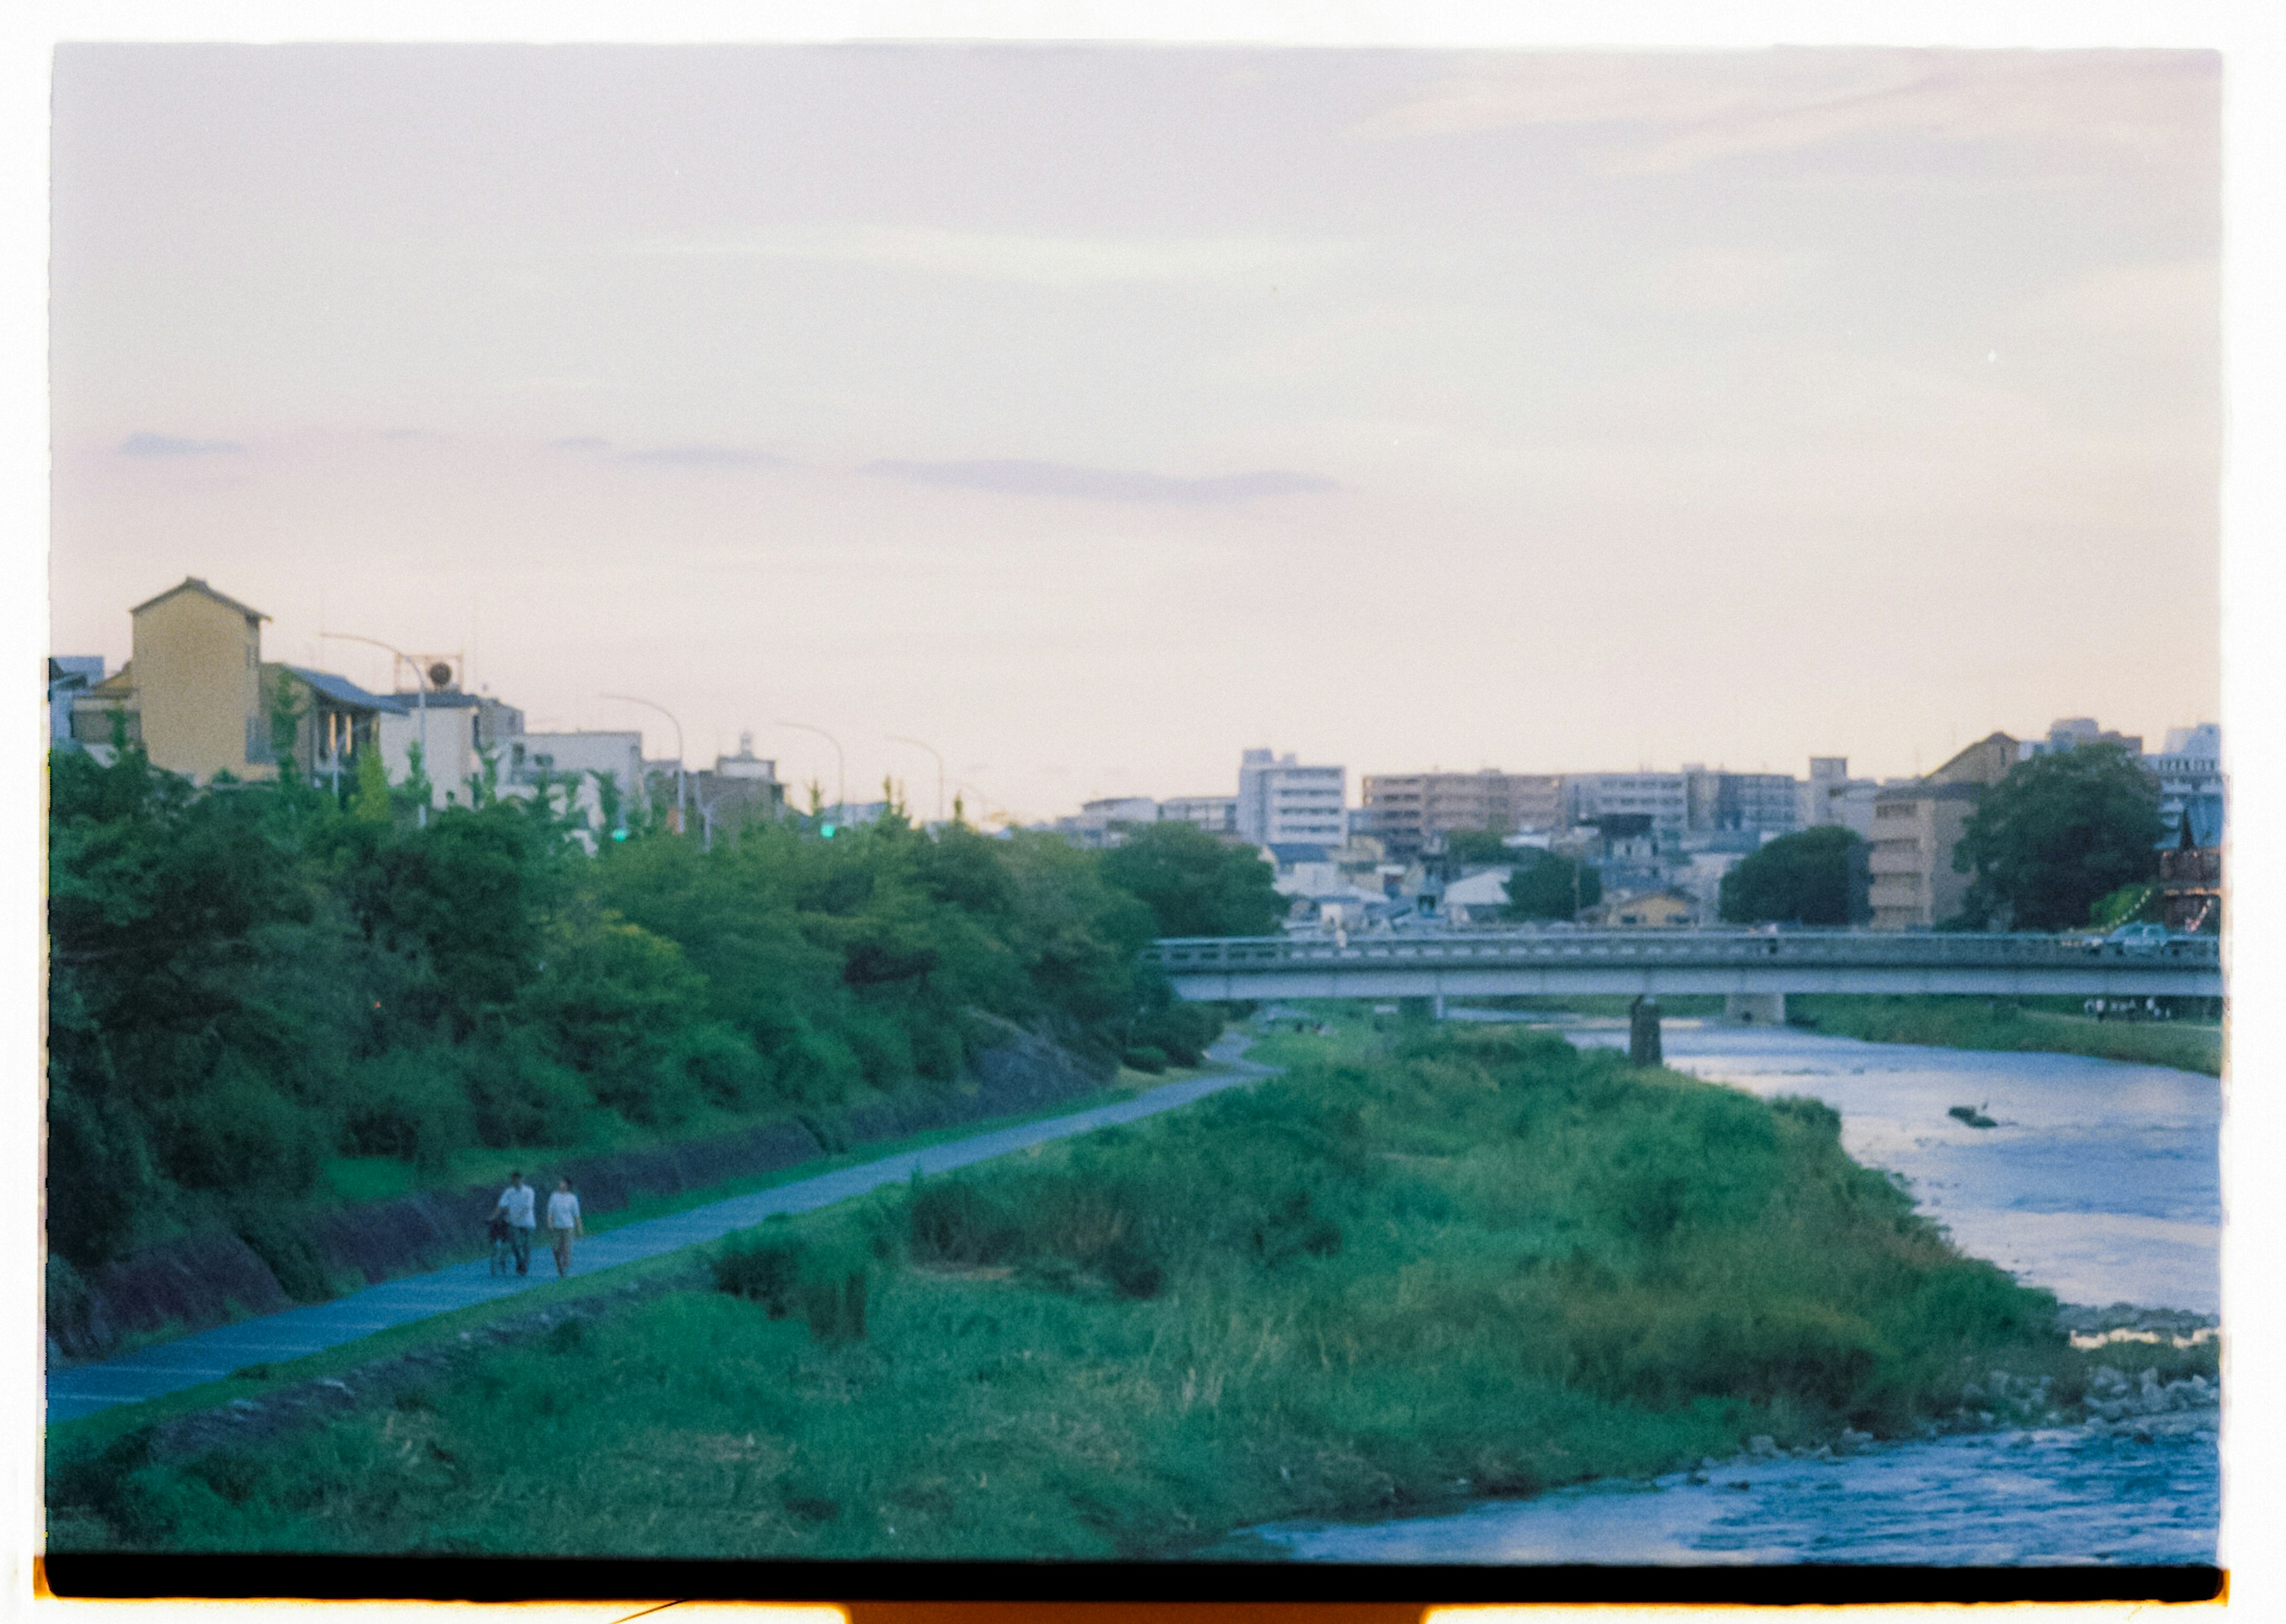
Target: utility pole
[(840, 776), (681, 796), (919, 744), (421, 702)]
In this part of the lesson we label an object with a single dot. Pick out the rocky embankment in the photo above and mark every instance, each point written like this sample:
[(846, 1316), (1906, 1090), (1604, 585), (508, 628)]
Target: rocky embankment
[(195, 1281)]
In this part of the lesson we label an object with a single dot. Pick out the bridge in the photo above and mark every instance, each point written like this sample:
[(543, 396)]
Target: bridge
[(1756, 969)]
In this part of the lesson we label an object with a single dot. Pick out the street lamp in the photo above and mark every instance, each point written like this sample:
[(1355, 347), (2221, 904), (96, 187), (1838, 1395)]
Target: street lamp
[(840, 777), (682, 800), (420, 701), (919, 744)]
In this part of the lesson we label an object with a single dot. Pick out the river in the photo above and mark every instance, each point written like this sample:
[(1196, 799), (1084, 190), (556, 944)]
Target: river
[(2099, 1181)]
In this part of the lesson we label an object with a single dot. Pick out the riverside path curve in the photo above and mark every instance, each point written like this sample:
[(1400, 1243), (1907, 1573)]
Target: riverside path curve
[(1653, 963), (156, 1369)]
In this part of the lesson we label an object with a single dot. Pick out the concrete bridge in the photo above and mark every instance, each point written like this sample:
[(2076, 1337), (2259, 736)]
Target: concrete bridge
[(1755, 969)]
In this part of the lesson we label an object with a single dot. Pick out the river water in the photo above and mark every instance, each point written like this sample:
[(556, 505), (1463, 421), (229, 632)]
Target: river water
[(2099, 1181)]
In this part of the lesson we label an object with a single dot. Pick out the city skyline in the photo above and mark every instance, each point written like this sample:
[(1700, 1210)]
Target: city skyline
[(1094, 414)]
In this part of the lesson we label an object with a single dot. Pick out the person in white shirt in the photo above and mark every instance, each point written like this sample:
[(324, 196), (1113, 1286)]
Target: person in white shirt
[(516, 1207), (562, 1224)]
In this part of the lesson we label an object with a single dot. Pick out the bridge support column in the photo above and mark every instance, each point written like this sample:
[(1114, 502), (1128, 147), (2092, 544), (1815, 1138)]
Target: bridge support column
[(1643, 1034), (1436, 1007), (1754, 1008)]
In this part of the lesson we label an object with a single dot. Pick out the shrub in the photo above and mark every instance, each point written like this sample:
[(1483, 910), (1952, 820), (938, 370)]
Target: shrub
[(1144, 1058), (760, 1272)]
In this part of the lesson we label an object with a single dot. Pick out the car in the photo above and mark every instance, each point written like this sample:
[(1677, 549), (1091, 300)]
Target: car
[(2142, 937)]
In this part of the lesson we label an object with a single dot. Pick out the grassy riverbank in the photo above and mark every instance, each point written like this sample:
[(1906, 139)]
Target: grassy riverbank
[(1478, 1262), (2051, 1025)]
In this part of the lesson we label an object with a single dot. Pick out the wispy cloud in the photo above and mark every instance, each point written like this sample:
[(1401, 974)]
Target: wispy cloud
[(705, 456), (1043, 261), (1023, 478), (149, 444), (1673, 112), (579, 442)]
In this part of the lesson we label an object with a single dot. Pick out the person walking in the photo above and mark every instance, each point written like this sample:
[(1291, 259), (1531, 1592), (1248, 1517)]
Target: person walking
[(562, 1224), (516, 1205)]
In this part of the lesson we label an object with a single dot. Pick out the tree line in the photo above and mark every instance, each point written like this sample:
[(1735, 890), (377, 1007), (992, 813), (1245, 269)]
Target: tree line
[(248, 981)]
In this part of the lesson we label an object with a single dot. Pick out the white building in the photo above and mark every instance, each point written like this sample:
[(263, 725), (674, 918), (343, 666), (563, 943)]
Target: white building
[(570, 762), (446, 737), (1695, 800), (1831, 796), (2190, 766), (1282, 803)]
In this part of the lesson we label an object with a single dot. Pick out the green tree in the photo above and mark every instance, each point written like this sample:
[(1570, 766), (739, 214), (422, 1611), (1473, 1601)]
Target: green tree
[(2057, 835), (1465, 846), (1195, 885), (1796, 879), (1544, 885)]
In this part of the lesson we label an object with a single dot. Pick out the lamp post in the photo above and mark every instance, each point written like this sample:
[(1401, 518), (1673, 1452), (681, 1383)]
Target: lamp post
[(920, 745), (681, 799), (840, 777), (421, 702)]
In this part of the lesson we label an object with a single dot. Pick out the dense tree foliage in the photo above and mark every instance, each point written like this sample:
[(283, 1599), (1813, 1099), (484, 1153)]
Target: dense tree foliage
[(249, 982), (1195, 885), (2056, 836), (1544, 885), (1466, 846), (1796, 879)]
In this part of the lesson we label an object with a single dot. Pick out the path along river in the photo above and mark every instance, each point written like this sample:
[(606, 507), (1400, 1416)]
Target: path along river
[(2099, 1181)]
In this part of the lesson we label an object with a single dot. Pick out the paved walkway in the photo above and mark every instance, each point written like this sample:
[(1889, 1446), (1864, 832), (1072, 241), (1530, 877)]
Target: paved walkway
[(165, 1368)]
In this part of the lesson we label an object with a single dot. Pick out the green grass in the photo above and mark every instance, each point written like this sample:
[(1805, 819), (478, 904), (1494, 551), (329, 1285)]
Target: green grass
[(109, 1423), (2050, 1025), (1427, 1266)]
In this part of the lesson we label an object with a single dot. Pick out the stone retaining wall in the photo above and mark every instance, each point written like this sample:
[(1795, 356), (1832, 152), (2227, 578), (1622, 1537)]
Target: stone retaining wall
[(208, 1279)]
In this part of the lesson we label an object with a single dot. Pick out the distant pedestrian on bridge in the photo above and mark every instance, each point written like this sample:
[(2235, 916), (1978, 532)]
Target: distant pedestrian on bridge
[(515, 1206), (562, 1224)]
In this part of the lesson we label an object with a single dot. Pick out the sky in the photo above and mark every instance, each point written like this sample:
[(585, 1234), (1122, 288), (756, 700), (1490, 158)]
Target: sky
[(1091, 414)]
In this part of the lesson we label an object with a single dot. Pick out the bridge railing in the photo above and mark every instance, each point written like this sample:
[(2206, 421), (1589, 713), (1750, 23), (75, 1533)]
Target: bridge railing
[(1199, 955)]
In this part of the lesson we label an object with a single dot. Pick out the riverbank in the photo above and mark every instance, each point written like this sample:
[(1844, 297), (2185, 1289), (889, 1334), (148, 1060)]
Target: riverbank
[(2011, 1026), (1479, 1262)]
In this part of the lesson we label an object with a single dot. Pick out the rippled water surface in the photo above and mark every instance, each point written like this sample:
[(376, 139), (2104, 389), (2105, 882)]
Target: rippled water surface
[(2100, 1182)]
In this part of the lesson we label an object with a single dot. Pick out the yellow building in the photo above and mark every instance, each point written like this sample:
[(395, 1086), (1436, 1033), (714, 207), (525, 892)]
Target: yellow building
[(1913, 885), (1666, 908), (192, 692)]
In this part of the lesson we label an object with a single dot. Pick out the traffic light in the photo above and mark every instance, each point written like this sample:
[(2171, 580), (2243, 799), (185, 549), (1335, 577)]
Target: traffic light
[(826, 831), (619, 834)]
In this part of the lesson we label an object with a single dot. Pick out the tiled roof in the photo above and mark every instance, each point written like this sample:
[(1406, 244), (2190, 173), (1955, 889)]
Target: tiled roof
[(340, 690)]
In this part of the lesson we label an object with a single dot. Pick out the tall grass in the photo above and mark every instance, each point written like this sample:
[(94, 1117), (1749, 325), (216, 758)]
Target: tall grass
[(2013, 1026), (1481, 1263)]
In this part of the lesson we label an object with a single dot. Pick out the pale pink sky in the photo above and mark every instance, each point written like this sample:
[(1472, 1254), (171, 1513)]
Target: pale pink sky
[(1093, 413)]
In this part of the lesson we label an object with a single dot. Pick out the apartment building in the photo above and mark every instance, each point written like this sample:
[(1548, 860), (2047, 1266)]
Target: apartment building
[(1408, 811), (2189, 769), (1832, 797), (1282, 802), (1913, 885), (1694, 801), (1215, 814)]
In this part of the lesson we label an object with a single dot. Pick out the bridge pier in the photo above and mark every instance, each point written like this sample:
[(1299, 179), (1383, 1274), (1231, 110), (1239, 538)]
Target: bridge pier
[(1754, 1008)]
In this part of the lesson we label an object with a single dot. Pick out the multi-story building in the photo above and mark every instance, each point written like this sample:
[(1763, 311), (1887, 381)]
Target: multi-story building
[(1215, 814), (575, 762), (1719, 801), (191, 692), (1694, 800), (1409, 811), (1831, 796), (1282, 803), (2070, 732), (2189, 769), (69, 675), (2190, 868), (1912, 882)]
